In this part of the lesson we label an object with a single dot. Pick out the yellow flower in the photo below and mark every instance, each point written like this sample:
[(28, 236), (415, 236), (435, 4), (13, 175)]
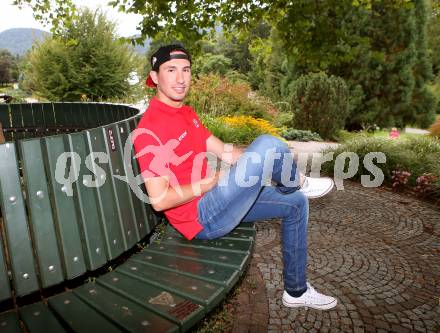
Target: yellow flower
[(261, 126)]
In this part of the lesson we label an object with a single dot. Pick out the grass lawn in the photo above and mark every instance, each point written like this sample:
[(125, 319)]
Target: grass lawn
[(5, 88), (376, 134)]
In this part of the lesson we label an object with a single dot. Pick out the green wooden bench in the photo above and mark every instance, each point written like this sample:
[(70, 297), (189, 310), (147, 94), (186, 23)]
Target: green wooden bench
[(73, 262)]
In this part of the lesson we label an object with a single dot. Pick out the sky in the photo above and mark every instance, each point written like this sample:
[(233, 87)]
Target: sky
[(12, 17)]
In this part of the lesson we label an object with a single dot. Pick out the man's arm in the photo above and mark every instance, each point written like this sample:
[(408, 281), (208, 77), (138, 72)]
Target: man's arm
[(219, 149), (163, 196)]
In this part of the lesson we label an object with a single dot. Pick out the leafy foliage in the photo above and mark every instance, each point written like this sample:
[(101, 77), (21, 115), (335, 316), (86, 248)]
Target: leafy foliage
[(59, 13), (416, 155), (300, 135), (6, 63), (212, 94), (85, 62), (319, 103), (275, 42), (211, 63), (433, 35)]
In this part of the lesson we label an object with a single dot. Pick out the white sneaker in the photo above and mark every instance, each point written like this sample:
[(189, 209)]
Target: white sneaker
[(311, 298), (316, 187)]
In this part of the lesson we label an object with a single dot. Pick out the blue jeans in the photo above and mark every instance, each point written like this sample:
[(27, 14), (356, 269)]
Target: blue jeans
[(227, 204)]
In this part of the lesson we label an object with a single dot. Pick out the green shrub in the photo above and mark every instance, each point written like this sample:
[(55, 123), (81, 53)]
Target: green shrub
[(211, 63), (218, 96), (283, 119), (300, 135), (417, 155), (320, 103)]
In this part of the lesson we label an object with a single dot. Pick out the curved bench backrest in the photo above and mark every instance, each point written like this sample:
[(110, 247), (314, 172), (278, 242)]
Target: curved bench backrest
[(66, 206), (41, 119)]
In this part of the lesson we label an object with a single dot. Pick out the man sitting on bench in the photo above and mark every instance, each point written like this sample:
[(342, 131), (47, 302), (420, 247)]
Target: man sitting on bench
[(204, 204)]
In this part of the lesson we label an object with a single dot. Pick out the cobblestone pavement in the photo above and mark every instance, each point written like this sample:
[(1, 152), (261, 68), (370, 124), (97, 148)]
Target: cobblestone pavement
[(378, 252)]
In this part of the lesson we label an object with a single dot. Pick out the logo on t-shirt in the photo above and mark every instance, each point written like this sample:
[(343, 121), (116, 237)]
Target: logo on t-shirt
[(182, 136), (196, 123)]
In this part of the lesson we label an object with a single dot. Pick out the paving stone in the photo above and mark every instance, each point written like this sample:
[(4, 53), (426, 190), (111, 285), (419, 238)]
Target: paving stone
[(371, 248)]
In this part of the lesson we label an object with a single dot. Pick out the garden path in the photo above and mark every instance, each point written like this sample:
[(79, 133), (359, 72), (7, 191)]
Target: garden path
[(377, 251)]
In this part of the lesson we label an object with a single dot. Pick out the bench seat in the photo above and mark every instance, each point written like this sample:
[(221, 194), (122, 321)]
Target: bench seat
[(168, 286)]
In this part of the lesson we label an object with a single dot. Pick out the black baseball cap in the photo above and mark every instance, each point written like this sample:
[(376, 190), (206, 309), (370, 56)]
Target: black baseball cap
[(162, 55)]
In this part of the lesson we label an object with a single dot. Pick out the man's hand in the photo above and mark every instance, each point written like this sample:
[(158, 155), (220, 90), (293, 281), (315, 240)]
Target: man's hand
[(207, 183), (163, 196), (225, 152)]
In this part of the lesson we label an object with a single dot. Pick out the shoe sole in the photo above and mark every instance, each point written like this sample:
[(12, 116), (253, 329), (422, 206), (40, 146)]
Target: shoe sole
[(322, 194), (313, 306)]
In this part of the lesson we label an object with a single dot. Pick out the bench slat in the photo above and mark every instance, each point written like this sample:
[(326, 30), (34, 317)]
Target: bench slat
[(149, 217), (111, 225), (245, 231), (78, 115), (86, 116), (15, 222), (5, 290), (64, 212), (9, 323), (39, 319), (106, 114), (87, 208), (225, 257), (121, 188), (40, 213), (204, 293), (166, 304), (138, 206), (49, 116), (72, 120), (93, 115), (128, 314), (221, 243), (224, 275), (4, 115), (115, 113), (60, 112), (37, 112), (17, 121), (79, 316)]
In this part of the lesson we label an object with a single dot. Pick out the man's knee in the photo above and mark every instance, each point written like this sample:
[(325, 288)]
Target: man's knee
[(267, 141), (300, 203)]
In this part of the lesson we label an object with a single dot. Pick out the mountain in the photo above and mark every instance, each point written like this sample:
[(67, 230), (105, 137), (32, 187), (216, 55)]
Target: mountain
[(19, 40), (142, 49)]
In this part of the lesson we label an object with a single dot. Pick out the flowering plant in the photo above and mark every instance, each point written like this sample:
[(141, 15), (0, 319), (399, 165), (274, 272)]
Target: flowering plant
[(258, 125), (424, 183), (399, 178)]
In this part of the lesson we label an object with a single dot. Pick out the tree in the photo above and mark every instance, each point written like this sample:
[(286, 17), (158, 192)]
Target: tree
[(319, 103), (422, 106), (86, 61), (212, 63), (6, 65), (373, 44), (391, 71), (433, 33)]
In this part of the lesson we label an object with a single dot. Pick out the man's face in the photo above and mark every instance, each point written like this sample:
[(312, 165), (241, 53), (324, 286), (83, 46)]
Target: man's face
[(173, 80)]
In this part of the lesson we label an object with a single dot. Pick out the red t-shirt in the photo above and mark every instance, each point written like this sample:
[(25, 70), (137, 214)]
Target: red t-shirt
[(173, 143)]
